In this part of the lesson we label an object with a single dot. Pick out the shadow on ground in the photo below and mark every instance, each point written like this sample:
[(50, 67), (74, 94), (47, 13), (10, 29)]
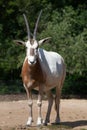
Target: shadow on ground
[(73, 124)]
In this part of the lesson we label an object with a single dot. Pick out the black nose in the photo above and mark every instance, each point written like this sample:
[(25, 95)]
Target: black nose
[(32, 62)]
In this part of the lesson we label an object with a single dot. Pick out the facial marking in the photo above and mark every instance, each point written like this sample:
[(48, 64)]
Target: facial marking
[(31, 51)]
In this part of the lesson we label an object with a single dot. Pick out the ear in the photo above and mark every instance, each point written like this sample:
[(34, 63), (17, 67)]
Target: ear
[(19, 42), (44, 40)]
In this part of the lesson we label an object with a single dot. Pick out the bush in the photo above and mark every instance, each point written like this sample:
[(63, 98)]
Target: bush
[(11, 87), (75, 85)]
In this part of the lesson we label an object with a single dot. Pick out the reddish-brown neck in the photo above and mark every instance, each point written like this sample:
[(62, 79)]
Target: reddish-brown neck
[(32, 72)]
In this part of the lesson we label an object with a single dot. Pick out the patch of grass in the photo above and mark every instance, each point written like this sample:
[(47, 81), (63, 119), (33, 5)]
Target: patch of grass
[(13, 129), (58, 127), (49, 127), (83, 129)]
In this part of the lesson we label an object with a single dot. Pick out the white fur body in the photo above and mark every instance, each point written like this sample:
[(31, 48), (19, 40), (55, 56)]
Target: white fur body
[(51, 64)]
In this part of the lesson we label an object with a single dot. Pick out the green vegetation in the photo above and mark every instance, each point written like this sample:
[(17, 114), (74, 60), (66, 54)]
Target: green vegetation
[(60, 127), (64, 21)]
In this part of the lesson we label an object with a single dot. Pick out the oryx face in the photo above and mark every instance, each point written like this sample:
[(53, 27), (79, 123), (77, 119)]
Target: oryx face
[(32, 51)]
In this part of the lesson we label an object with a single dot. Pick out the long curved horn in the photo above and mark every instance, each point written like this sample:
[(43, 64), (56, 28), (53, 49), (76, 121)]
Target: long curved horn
[(36, 25), (27, 26)]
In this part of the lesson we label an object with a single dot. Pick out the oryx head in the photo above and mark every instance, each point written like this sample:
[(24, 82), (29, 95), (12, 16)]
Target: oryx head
[(32, 44)]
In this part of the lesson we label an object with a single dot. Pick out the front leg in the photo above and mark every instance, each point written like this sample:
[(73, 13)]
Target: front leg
[(30, 119), (30, 103), (39, 103)]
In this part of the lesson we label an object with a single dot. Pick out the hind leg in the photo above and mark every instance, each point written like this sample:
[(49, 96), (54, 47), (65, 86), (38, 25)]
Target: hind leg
[(57, 103), (50, 103), (58, 96)]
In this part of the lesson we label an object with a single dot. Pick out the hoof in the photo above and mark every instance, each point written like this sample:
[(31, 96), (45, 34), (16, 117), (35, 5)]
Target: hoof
[(46, 122), (57, 121), (29, 122), (39, 121)]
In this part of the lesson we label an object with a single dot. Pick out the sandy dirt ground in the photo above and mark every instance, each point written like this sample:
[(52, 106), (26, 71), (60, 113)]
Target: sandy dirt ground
[(14, 113)]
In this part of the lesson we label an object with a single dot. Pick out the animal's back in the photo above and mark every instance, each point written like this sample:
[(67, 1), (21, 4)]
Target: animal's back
[(52, 65)]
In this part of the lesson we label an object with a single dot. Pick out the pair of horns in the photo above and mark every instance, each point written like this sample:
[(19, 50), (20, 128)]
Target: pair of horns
[(36, 25)]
